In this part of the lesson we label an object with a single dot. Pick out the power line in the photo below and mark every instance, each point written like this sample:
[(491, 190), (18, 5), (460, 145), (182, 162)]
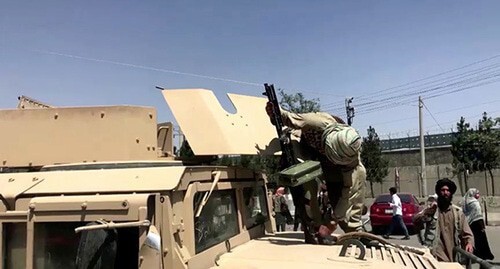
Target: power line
[(407, 98), (439, 112), (147, 68), (439, 74), (426, 108), (377, 105), (458, 80), (436, 86), (430, 127), (167, 70), (360, 97), (441, 92)]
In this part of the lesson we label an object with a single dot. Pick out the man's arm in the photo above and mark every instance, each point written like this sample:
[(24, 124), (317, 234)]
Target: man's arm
[(394, 201), (466, 236), (301, 120), (424, 215)]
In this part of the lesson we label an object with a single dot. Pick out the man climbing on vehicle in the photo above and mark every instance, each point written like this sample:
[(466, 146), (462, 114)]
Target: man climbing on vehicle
[(337, 146)]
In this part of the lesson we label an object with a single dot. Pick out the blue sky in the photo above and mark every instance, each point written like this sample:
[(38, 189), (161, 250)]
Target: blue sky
[(325, 49)]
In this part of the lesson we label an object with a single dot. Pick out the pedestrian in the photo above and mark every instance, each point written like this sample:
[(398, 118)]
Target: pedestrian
[(474, 215), (445, 225), (336, 146), (279, 208), (421, 229), (397, 215)]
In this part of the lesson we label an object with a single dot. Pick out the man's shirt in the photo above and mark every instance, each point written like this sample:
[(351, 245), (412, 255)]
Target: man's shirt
[(446, 222), (397, 207)]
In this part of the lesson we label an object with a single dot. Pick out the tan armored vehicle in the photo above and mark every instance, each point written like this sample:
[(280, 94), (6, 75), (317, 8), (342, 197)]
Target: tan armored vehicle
[(94, 187)]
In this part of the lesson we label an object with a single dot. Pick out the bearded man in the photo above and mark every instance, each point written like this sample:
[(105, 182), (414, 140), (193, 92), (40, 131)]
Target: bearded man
[(445, 224)]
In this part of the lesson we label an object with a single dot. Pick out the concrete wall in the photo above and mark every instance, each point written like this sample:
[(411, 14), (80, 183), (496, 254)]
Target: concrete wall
[(438, 165), (411, 157), (409, 180)]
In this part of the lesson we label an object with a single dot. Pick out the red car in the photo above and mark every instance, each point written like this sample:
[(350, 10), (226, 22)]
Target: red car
[(381, 211)]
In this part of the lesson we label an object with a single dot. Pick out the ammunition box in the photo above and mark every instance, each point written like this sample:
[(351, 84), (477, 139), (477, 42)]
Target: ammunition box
[(300, 173)]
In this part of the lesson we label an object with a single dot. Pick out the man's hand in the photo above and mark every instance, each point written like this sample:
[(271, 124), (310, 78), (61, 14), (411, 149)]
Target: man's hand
[(431, 209), (269, 109), (327, 229), (469, 248)]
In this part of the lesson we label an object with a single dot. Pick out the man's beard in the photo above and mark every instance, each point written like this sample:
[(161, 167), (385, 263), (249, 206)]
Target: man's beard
[(444, 202)]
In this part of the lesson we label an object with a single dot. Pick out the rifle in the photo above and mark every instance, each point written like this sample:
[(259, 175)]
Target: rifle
[(287, 156)]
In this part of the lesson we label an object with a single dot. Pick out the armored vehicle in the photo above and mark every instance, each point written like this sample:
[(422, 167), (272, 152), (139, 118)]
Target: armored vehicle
[(98, 187)]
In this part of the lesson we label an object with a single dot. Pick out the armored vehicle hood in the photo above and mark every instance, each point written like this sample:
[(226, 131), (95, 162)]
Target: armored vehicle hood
[(287, 250)]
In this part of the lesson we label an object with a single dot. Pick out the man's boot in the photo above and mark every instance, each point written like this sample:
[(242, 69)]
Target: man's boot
[(309, 234)]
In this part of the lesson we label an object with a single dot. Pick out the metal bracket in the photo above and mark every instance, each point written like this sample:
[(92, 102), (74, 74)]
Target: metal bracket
[(112, 225), (355, 242)]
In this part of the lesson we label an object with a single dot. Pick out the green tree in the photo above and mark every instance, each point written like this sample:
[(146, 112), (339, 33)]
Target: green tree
[(486, 153), (461, 149), (185, 151), (298, 103), (476, 150), (371, 156)]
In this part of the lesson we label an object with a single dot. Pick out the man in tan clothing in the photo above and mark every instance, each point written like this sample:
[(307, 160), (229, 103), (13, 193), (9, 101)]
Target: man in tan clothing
[(446, 226), (337, 146)]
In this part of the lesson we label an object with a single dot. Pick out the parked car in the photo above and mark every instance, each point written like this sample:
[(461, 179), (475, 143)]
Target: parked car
[(381, 211)]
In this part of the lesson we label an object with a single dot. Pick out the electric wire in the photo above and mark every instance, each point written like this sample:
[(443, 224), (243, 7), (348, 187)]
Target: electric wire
[(439, 88), (430, 113), (425, 78), (442, 92), (439, 112)]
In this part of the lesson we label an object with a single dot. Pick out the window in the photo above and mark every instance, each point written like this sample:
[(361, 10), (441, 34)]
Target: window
[(14, 245), (218, 220), (255, 206), (56, 246), (387, 198)]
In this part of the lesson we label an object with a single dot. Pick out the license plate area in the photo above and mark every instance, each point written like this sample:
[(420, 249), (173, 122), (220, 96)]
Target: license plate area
[(388, 211)]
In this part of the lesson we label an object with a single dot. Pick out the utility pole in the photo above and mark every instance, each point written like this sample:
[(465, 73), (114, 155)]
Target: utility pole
[(349, 110), (422, 147)]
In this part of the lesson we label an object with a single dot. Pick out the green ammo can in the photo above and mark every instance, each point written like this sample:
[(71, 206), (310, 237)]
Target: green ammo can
[(300, 173)]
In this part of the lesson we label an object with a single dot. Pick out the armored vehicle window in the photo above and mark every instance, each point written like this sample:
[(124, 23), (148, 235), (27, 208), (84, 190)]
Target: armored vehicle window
[(255, 206), (218, 220), (14, 245), (56, 246)]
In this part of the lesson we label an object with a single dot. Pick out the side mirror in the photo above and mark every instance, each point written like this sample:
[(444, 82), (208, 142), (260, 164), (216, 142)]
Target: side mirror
[(97, 249)]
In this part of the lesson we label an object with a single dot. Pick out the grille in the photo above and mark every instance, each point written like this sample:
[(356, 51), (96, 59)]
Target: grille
[(403, 258)]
